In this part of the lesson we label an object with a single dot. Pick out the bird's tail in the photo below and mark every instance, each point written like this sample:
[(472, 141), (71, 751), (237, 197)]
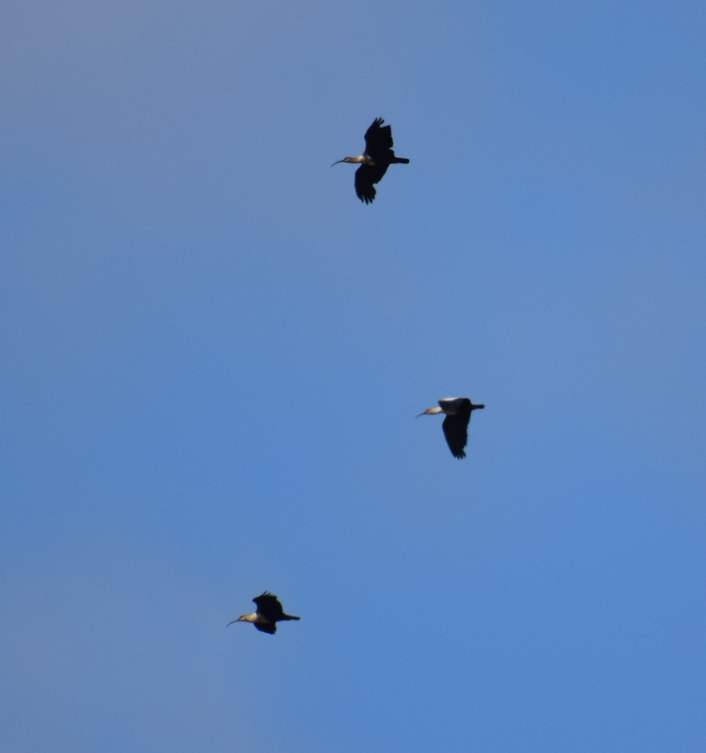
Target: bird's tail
[(290, 617), (400, 161)]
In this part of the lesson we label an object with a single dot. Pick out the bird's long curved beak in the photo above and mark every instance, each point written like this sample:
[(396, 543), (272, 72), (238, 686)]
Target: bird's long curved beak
[(237, 619), (336, 163), (430, 412)]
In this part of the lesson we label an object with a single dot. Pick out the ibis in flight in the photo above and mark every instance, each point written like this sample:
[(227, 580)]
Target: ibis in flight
[(458, 413), (268, 613), (374, 161)]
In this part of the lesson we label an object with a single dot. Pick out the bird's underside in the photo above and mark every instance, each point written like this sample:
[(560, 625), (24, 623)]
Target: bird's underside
[(266, 627)]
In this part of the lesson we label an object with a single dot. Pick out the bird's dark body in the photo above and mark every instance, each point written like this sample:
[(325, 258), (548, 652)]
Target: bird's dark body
[(266, 627), (269, 607), (455, 425), (456, 429), (375, 160)]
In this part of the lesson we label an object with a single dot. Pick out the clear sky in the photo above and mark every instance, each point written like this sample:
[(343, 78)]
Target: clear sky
[(213, 354)]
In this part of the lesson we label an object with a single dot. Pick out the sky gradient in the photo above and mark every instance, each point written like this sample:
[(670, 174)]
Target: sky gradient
[(213, 355)]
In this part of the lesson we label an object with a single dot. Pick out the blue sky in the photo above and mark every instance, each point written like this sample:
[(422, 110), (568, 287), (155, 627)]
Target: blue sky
[(214, 353)]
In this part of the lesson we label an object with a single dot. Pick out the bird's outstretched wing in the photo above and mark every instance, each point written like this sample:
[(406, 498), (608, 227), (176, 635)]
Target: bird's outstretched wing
[(269, 607), (456, 433), (378, 138), (365, 177), (456, 428)]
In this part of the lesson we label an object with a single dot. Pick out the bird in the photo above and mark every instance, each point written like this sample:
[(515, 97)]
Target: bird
[(268, 613), (458, 413), (374, 161)]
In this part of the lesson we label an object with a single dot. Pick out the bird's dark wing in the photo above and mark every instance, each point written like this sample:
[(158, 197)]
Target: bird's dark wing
[(269, 607), (378, 138), (456, 432), (267, 627), (365, 177)]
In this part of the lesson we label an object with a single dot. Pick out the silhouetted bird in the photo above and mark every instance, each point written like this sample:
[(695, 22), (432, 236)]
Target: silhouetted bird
[(268, 613), (374, 161), (458, 414)]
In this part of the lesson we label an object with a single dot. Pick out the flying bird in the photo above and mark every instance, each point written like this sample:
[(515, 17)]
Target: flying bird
[(268, 613), (458, 414), (374, 161)]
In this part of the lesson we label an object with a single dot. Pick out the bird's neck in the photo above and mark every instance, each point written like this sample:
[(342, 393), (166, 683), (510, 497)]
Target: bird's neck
[(363, 159)]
